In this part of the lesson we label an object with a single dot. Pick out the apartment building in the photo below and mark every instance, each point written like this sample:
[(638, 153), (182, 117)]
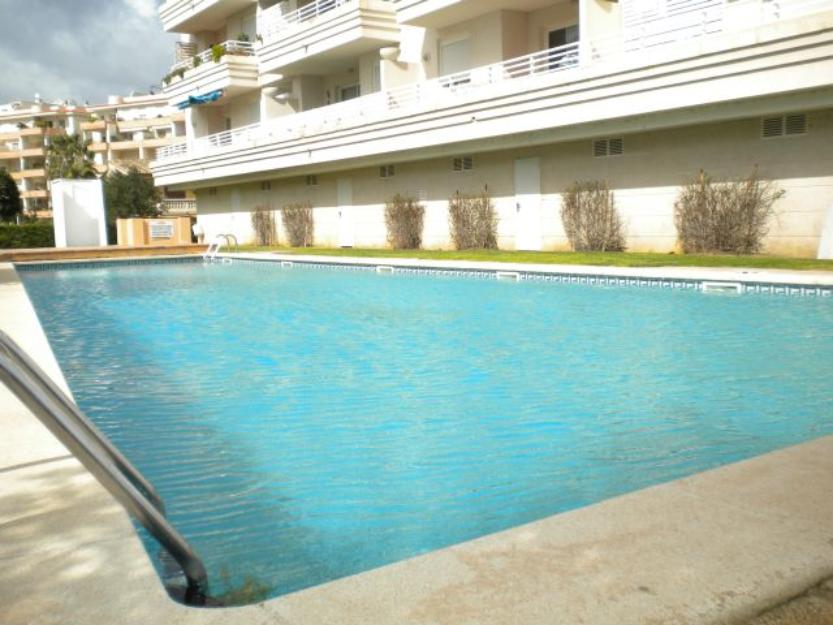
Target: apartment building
[(346, 102), (26, 129), (126, 132)]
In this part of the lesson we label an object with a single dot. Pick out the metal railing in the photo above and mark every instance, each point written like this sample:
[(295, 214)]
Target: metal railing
[(101, 458), (273, 20), (231, 47)]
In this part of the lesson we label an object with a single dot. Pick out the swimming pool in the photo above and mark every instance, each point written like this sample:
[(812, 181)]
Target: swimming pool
[(304, 424)]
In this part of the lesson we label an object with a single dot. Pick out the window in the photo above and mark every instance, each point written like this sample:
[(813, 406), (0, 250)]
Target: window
[(609, 147), (784, 125), (349, 92), (558, 56), (463, 163), (387, 171), (312, 181), (266, 186)]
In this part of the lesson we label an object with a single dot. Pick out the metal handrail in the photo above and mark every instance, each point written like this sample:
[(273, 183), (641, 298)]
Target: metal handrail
[(49, 405)]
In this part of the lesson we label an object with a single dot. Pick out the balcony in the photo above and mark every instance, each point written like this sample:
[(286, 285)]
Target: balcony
[(28, 173), (442, 13), (450, 91), (35, 194), (755, 67), (320, 35), (234, 72), (192, 16)]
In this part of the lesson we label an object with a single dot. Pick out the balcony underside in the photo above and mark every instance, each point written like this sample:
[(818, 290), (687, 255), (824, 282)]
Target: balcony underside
[(324, 45), (442, 13), (233, 75), (193, 16), (788, 72)]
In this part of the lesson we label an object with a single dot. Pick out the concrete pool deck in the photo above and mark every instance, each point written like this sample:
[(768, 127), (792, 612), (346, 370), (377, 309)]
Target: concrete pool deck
[(718, 547)]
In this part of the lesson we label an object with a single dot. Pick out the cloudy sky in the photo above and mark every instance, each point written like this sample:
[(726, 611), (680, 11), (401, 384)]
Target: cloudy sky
[(81, 49)]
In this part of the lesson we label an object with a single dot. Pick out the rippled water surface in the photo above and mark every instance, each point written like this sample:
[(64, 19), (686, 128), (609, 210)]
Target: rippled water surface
[(307, 424)]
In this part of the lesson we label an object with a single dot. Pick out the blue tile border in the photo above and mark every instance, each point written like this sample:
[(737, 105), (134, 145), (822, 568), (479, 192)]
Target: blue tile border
[(92, 264), (479, 274), (556, 277)]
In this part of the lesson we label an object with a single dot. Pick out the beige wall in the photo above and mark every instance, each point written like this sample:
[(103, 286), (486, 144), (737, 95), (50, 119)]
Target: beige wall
[(137, 232), (646, 180)]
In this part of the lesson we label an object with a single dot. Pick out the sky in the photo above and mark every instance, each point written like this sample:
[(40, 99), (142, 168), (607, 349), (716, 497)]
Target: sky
[(81, 49)]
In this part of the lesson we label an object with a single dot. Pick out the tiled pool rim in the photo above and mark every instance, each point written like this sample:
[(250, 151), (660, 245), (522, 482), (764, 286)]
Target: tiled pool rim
[(667, 278), (717, 547)]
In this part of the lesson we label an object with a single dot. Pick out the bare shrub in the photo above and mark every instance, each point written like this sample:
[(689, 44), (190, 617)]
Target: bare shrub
[(729, 216), (590, 218), (263, 223), (298, 223), (404, 218), (473, 221)]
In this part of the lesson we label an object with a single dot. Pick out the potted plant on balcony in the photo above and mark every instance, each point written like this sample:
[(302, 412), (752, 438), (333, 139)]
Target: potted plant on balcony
[(218, 51), (196, 61)]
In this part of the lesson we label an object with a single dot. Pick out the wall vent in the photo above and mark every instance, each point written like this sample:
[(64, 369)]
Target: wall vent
[(265, 186), (212, 191), (463, 163), (312, 181), (387, 171), (608, 147), (784, 125)]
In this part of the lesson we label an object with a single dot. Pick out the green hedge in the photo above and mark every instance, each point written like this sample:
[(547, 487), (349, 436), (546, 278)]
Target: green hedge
[(30, 234)]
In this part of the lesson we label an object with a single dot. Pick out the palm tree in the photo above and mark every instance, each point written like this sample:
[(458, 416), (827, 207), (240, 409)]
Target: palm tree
[(68, 157)]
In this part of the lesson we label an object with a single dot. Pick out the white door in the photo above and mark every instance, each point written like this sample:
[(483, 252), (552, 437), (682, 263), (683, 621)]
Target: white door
[(528, 204), (345, 212)]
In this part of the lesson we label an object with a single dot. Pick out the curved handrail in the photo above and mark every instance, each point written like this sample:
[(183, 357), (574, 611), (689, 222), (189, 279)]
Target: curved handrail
[(37, 375), (87, 449)]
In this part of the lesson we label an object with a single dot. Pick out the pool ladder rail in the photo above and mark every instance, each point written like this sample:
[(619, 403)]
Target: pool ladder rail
[(212, 253), (97, 453)]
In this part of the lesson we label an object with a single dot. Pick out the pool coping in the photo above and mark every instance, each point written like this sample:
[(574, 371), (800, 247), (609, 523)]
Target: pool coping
[(720, 546)]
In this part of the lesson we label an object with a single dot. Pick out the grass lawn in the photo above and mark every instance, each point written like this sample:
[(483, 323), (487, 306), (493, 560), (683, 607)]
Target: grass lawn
[(614, 259)]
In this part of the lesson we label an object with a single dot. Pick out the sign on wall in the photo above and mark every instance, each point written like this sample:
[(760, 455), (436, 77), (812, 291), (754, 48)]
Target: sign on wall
[(161, 230)]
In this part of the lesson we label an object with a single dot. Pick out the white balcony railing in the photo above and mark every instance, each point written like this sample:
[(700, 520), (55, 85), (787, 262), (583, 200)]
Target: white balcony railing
[(445, 90), (273, 21), (701, 18), (231, 48)]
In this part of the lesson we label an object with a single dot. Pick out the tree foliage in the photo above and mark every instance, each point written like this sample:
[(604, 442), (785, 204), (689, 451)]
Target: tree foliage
[(130, 194), (68, 157), (10, 203), (404, 218), (472, 221)]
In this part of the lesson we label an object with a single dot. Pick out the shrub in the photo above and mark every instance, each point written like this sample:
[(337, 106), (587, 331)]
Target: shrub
[(263, 223), (404, 218), (473, 221), (196, 61), (27, 235), (298, 223), (729, 217), (10, 203), (590, 218)]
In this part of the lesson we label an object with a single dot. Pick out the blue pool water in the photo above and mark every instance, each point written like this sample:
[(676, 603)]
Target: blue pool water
[(307, 424)]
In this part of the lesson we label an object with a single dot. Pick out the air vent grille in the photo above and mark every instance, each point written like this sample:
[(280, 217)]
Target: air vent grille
[(463, 163), (608, 147), (387, 171), (784, 125)]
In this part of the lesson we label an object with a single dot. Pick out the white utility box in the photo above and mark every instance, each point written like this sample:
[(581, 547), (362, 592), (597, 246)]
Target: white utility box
[(78, 213)]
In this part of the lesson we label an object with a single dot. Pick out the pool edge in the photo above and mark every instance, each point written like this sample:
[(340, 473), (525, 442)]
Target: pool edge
[(507, 577)]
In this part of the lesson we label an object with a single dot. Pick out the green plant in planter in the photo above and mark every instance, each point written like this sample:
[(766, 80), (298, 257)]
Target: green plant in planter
[(196, 61), (218, 51), (167, 79), (243, 37), (179, 72)]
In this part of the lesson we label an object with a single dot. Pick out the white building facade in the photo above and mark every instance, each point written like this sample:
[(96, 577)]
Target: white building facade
[(344, 103)]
